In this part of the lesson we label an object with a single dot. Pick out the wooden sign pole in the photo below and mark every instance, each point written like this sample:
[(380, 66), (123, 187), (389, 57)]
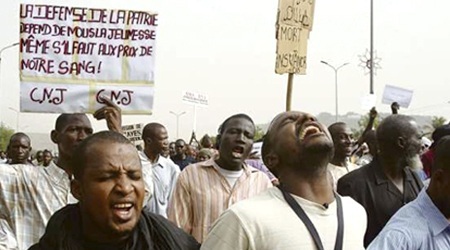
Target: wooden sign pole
[(289, 91)]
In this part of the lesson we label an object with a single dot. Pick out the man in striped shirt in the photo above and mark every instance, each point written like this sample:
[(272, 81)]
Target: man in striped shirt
[(204, 190)]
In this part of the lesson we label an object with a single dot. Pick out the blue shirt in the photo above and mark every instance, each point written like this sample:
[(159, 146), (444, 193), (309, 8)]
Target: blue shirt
[(165, 175), (418, 225)]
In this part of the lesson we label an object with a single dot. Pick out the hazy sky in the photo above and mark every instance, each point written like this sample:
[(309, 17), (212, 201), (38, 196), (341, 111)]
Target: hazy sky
[(226, 50)]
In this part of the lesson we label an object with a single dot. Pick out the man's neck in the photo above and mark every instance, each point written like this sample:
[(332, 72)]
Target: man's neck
[(392, 168), (339, 161), (224, 165), (152, 156), (63, 163), (315, 187)]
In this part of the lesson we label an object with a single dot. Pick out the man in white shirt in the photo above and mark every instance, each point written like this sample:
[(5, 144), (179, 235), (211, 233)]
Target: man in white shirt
[(343, 145), (297, 150), (165, 172)]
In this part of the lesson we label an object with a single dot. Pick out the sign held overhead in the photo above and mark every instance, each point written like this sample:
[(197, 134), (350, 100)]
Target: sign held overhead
[(294, 22), (69, 56), (396, 94)]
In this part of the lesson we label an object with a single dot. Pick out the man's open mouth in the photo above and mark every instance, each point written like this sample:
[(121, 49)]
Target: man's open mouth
[(308, 131), (237, 151)]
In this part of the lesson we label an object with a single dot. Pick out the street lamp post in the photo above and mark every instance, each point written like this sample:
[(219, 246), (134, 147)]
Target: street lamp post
[(178, 119), (17, 117), (335, 82), (371, 47), (1, 51)]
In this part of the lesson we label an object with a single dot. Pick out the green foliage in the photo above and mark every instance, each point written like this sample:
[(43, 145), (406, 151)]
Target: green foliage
[(5, 134), (259, 133), (438, 121), (362, 123)]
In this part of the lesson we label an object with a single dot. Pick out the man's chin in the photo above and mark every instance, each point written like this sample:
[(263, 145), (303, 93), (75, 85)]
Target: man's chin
[(415, 163)]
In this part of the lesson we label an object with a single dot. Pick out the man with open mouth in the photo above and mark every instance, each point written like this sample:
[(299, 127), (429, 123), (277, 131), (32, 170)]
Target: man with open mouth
[(205, 189), (110, 189), (343, 146), (303, 212)]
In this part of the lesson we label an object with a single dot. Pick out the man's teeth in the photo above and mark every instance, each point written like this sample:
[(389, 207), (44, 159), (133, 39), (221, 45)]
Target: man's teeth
[(123, 205), (308, 130), (237, 154)]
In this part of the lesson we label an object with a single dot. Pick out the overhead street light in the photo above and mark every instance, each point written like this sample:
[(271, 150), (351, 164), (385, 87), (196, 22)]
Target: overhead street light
[(335, 82)]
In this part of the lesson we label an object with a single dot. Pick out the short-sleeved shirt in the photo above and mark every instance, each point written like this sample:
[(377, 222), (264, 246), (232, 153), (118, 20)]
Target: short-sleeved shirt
[(371, 188), (267, 222)]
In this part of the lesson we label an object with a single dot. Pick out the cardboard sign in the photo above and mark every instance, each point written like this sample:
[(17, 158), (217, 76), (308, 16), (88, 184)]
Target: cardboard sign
[(294, 22), (133, 132), (69, 56), (396, 94), (195, 98)]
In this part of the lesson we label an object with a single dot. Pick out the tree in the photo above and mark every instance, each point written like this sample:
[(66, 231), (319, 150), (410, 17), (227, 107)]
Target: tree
[(362, 123), (438, 121), (259, 133), (5, 134)]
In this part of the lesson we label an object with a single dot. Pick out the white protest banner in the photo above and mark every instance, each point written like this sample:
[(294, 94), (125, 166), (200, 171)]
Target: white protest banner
[(396, 94), (133, 132), (69, 56), (195, 98), (294, 22)]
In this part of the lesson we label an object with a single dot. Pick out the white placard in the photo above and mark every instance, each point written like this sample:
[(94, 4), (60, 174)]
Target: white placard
[(83, 51), (133, 132), (396, 94), (195, 98)]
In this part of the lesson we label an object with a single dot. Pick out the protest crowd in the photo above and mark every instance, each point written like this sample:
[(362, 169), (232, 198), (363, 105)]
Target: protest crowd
[(308, 187), (303, 185)]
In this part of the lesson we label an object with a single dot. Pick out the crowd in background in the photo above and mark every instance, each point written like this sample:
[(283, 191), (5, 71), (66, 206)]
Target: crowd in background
[(294, 189)]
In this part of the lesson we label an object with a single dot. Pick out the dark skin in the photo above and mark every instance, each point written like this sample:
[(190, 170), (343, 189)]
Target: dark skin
[(438, 191), (78, 127), (237, 136), (156, 143), (439, 188), (19, 150), (395, 107), (112, 175), (301, 163), (342, 138), (180, 150), (393, 162)]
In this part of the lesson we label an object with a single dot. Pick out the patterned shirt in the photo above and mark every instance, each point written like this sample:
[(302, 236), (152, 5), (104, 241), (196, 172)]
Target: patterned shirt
[(418, 225), (202, 194), (165, 174), (29, 195)]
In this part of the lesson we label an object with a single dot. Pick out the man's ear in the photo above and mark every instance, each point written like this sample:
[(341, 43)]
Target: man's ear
[(271, 161), (401, 142), (75, 189), (148, 140), (54, 136)]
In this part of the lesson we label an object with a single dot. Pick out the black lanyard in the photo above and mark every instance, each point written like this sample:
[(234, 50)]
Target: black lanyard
[(310, 226)]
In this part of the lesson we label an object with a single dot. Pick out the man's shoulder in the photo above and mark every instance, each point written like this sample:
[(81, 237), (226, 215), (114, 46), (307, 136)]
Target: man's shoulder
[(22, 170), (358, 175), (166, 162), (259, 202)]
